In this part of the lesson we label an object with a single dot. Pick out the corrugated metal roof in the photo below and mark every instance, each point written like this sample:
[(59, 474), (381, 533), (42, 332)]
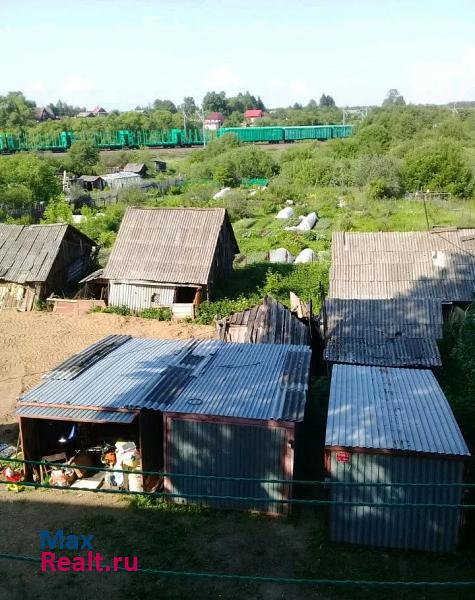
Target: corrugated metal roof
[(383, 351), (208, 377), (76, 414), (391, 409), (410, 264), (167, 245), (27, 252), (407, 317), (121, 175)]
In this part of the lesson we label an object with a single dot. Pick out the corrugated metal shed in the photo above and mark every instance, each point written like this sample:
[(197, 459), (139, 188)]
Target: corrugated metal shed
[(401, 410), (269, 323), (437, 264), (208, 377), (393, 426), (168, 245), (399, 332), (28, 252)]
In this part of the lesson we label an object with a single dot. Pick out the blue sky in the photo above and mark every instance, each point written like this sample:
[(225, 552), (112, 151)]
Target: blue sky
[(122, 53)]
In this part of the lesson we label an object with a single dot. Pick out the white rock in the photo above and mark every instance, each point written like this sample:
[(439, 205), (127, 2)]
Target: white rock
[(306, 224), (79, 219)]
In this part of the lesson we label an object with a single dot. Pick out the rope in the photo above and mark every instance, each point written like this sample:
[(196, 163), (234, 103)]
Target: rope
[(230, 478), (247, 499), (264, 579)]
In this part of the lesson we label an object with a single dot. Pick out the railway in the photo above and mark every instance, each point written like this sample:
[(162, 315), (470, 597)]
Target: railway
[(172, 138)]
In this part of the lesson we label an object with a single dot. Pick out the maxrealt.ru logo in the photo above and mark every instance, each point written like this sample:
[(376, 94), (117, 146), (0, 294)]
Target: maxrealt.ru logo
[(52, 560)]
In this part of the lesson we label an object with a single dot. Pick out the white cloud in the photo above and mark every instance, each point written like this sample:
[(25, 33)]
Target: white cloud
[(443, 81), (221, 77), (298, 88), (76, 83)]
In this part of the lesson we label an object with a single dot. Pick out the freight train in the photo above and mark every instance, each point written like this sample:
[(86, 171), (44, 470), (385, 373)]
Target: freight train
[(172, 138)]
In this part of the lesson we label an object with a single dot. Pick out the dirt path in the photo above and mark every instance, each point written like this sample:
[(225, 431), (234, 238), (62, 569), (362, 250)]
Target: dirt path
[(33, 343)]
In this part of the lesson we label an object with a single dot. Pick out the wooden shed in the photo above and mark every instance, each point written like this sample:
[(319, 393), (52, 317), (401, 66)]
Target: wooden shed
[(37, 260), (268, 323), (171, 257)]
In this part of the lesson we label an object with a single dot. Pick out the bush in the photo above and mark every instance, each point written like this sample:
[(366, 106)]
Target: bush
[(159, 314), (383, 169), (440, 166)]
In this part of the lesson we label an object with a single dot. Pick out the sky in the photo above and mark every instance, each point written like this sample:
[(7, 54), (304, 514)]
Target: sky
[(120, 54)]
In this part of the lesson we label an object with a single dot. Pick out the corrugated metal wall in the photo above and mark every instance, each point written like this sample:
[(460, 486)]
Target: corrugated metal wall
[(223, 449), (139, 296), (434, 529)]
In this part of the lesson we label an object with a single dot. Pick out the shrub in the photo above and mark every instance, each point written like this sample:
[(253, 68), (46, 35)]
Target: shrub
[(160, 314), (439, 165)]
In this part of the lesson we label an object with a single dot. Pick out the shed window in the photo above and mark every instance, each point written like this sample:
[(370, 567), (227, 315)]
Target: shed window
[(155, 298)]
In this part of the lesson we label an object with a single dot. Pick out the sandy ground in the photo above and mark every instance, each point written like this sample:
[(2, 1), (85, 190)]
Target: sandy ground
[(33, 343)]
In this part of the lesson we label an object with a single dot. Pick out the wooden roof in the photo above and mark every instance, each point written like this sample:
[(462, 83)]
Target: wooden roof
[(269, 323), (168, 245), (28, 252)]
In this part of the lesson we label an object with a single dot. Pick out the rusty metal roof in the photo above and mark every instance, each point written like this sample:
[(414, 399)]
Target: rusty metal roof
[(391, 409), (168, 245), (206, 377), (28, 252)]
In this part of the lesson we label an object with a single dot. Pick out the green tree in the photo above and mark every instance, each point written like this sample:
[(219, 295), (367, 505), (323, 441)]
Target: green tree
[(164, 105), (189, 106), (58, 211), (326, 101), (16, 112), (394, 98), (439, 165), (215, 102), (28, 172), (83, 156)]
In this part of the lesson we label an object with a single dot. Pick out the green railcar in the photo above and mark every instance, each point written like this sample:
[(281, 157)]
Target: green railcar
[(308, 132), (342, 131), (254, 134)]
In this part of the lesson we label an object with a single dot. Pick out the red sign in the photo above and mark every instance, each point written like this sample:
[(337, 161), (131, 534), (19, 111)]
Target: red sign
[(342, 457)]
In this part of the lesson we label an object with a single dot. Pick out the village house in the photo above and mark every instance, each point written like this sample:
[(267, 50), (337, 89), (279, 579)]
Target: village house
[(239, 408), (91, 182), (170, 257), (43, 113), (37, 260), (253, 116), (214, 121)]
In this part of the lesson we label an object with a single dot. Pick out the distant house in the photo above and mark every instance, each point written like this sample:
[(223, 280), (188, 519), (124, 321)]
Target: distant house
[(85, 114), (214, 121), (253, 116), (91, 182), (98, 111), (138, 168), (170, 257), (37, 260), (43, 113)]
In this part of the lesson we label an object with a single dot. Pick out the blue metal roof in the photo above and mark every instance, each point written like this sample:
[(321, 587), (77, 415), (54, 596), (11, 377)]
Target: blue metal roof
[(391, 409), (207, 377), (76, 414)]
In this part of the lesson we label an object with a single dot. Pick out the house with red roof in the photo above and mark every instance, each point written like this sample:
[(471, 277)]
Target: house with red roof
[(98, 111), (253, 116), (214, 121)]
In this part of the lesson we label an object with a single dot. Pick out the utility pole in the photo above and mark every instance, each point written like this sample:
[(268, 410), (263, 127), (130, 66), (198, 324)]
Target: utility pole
[(201, 115)]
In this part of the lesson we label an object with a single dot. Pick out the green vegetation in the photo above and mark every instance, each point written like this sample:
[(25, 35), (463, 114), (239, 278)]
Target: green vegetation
[(159, 314)]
